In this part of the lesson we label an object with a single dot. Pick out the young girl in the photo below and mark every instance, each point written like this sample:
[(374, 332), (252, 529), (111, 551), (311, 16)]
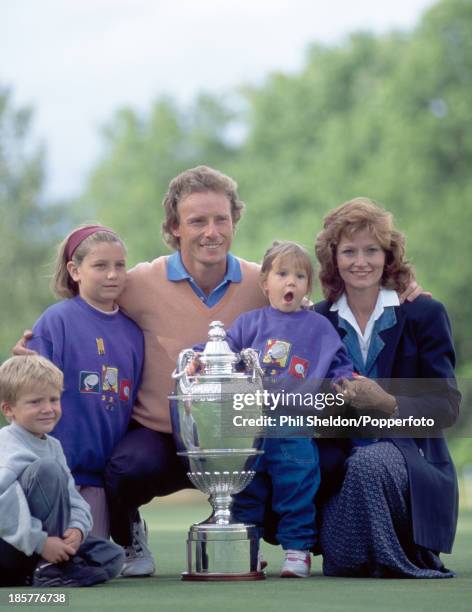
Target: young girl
[(100, 352), (295, 346)]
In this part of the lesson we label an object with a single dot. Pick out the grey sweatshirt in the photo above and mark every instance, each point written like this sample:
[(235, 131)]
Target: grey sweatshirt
[(18, 449)]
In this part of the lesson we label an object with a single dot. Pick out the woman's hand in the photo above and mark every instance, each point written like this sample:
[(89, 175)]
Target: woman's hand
[(365, 394)]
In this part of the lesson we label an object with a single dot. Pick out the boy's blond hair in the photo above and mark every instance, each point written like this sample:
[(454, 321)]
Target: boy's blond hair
[(21, 373)]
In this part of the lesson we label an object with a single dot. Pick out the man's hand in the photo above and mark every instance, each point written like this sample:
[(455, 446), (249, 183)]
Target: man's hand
[(412, 292), (56, 550), (20, 346), (73, 537), (365, 394)]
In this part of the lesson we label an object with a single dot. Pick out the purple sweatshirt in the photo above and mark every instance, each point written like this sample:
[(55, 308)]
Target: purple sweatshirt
[(292, 347), (101, 356)]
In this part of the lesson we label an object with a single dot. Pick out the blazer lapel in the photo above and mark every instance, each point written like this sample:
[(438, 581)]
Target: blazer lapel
[(334, 319), (391, 337)]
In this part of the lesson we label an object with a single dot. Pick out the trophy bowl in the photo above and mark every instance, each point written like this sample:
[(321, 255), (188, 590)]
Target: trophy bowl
[(219, 458)]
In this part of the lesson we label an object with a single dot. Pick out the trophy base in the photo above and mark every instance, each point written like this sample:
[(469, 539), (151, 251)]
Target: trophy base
[(222, 577), (222, 552)]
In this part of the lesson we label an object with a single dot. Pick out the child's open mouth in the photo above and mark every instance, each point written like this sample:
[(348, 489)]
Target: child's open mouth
[(288, 297)]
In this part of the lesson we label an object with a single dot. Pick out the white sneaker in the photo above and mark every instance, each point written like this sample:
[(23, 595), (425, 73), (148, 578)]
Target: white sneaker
[(139, 560), (297, 564)]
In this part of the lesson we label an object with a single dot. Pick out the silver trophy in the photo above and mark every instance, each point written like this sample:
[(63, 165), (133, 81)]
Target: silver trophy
[(219, 459)]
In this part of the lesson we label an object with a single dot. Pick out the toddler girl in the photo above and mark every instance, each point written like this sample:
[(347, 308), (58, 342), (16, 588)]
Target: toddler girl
[(296, 346)]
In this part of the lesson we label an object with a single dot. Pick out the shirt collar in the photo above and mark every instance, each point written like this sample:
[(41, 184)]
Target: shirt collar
[(386, 297), (176, 270)]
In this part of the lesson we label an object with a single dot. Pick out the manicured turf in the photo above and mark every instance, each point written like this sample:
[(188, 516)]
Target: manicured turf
[(168, 524)]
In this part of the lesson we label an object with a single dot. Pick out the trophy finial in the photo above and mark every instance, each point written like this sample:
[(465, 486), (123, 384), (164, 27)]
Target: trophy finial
[(217, 331)]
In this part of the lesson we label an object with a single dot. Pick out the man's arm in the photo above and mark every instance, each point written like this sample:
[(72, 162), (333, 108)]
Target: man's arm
[(20, 347), (412, 292)]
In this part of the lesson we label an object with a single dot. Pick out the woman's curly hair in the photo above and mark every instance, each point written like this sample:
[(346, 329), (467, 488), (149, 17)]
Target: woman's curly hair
[(347, 219)]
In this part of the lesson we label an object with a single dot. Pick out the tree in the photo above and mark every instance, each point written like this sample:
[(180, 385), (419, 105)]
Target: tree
[(28, 226), (382, 116), (142, 153)]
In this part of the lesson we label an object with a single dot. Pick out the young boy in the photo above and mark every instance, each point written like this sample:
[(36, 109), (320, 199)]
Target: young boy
[(296, 348), (44, 521)]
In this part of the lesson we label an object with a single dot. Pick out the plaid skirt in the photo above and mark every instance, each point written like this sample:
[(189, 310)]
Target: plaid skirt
[(366, 528)]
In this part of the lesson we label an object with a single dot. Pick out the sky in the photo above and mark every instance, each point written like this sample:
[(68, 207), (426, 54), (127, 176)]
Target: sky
[(77, 61)]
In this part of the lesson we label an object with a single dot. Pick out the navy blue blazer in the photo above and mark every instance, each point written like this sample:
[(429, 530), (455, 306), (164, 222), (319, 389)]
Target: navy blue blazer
[(420, 346)]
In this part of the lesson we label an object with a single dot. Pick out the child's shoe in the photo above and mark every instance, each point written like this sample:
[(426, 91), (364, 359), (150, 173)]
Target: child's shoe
[(72, 573), (297, 564), (139, 560)]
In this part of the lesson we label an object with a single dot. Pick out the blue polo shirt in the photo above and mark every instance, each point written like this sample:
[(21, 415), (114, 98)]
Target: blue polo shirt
[(176, 272)]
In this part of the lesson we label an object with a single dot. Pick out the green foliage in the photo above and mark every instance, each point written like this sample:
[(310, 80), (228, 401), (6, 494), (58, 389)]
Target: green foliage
[(382, 116), (27, 226), (142, 155), (461, 452)]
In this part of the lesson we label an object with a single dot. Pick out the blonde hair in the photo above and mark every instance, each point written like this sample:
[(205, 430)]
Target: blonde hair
[(62, 284), (196, 180), (345, 220), (21, 373), (287, 250)]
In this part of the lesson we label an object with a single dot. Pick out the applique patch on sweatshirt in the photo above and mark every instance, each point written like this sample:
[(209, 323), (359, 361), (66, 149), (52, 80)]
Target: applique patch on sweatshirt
[(298, 367), (100, 346), (125, 390), (276, 352), (89, 382), (109, 379)]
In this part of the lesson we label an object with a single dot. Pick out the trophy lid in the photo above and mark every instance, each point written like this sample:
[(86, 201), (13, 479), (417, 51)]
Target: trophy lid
[(218, 374), (217, 355)]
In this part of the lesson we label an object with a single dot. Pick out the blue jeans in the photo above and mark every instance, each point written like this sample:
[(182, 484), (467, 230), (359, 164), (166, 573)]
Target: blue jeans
[(287, 474), (45, 485)]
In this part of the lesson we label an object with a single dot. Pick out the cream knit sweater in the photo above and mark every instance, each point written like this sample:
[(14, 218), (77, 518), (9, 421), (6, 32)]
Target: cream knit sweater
[(172, 318)]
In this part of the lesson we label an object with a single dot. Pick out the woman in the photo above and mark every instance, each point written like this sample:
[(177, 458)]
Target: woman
[(396, 509)]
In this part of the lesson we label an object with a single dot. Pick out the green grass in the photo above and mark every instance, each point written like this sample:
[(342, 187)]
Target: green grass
[(168, 523)]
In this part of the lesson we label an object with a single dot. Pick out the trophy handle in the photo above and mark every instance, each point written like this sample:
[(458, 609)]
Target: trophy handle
[(250, 359), (180, 373)]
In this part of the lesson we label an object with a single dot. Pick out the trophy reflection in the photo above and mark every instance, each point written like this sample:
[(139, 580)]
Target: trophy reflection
[(218, 461)]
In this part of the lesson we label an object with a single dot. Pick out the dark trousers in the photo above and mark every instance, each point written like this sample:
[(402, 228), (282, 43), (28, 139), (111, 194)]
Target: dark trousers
[(45, 485), (144, 465)]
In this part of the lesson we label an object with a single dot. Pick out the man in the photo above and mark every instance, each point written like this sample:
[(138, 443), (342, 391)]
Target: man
[(173, 299)]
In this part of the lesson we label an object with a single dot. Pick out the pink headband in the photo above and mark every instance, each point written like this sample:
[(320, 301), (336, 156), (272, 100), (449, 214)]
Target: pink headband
[(80, 235)]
